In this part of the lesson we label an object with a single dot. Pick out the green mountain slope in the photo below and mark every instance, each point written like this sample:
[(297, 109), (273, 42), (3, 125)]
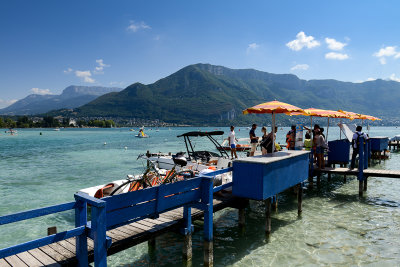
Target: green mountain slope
[(207, 94)]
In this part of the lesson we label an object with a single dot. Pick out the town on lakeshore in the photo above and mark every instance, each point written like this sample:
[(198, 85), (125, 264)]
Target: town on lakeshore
[(214, 133)]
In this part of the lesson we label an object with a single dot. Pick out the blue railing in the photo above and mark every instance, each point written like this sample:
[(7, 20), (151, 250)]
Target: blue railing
[(78, 231), (111, 212)]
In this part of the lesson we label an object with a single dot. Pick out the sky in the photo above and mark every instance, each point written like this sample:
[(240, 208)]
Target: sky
[(48, 45)]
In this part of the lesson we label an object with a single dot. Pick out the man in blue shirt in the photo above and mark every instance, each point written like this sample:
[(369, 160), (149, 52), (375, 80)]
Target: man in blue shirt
[(253, 139), (355, 143)]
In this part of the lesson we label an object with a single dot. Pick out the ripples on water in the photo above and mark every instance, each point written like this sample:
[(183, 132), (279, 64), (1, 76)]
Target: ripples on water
[(336, 227)]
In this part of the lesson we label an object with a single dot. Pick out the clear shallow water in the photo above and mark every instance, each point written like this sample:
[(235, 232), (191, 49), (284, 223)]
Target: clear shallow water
[(336, 228)]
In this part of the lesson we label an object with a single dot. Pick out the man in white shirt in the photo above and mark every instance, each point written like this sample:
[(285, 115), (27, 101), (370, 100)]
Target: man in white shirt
[(355, 143), (232, 142)]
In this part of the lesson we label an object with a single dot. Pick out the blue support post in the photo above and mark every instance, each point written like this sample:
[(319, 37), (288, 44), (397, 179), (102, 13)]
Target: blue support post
[(207, 199), (366, 154), (360, 175), (81, 240), (311, 169), (187, 231), (98, 224)]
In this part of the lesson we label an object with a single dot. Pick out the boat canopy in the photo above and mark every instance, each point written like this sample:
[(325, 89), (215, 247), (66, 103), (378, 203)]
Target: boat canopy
[(196, 133)]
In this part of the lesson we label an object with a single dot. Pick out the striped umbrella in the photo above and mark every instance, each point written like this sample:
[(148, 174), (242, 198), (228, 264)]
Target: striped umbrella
[(273, 107)]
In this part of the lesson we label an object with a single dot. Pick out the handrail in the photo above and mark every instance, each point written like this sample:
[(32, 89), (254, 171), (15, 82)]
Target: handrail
[(30, 214), (78, 231)]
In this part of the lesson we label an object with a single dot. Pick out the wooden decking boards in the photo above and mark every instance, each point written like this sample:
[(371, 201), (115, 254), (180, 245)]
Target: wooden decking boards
[(367, 172), (63, 253)]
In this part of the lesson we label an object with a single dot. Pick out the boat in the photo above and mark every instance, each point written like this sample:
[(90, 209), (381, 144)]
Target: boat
[(243, 145), (56, 129), (141, 134), (160, 166)]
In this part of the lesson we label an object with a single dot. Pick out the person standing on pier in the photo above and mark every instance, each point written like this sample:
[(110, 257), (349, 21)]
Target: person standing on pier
[(253, 139), (355, 142), (264, 139), (291, 138), (320, 147), (232, 142)]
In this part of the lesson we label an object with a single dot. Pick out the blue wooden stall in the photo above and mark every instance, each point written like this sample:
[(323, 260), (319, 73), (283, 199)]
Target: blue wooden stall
[(339, 152), (262, 177), (379, 143)]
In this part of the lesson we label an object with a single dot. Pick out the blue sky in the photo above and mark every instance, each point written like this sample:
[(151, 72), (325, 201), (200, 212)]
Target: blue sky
[(46, 46)]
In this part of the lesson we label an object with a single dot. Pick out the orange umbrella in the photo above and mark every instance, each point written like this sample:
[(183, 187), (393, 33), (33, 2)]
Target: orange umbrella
[(315, 112), (273, 107)]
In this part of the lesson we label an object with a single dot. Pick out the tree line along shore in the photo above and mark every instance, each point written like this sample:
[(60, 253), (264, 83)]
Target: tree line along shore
[(51, 122)]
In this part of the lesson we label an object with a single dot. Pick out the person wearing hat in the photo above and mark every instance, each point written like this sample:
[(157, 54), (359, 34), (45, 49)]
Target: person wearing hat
[(253, 139)]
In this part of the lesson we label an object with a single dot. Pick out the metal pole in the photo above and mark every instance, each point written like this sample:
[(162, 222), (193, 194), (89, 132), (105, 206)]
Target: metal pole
[(273, 132), (327, 130)]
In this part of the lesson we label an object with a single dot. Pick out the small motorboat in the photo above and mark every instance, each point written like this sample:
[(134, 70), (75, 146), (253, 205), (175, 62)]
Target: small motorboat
[(242, 145)]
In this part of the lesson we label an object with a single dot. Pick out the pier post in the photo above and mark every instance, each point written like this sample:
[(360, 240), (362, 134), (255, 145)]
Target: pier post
[(365, 183), (52, 230), (151, 249), (187, 231), (329, 177), (242, 217), (99, 228), (360, 175), (299, 199), (207, 200), (275, 203), (268, 216), (344, 178), (81, 241), (318, 179)]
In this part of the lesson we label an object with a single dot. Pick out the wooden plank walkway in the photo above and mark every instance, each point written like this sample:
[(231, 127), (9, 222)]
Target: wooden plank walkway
[(63, 253), (367, 172)]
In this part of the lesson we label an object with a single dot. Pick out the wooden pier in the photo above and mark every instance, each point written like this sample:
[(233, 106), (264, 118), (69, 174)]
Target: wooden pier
[(62, 253)]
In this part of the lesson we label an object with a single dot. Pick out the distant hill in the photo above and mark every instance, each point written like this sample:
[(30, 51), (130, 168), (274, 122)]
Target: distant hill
[(207, 94), (71, 97)]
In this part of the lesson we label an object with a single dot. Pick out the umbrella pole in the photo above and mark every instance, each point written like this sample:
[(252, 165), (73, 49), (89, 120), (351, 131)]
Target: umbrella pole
[(327, 130), (340, 130)]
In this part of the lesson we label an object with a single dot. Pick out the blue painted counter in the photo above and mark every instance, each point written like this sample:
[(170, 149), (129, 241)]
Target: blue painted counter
[(339, 151), (262, 177), (379, 143)]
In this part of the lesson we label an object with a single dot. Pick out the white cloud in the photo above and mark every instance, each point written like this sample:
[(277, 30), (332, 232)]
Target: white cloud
[(69, 70), (252, 47), (300, 67), (302, 40), (136, 26), (394, 78), (6, 103), (367, 80), (387, 52), (85, 75), (100, 66), (39, 91), (336, 56), (334, 45)]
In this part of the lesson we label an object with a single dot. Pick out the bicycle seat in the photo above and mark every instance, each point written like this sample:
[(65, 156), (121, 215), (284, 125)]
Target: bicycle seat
[(180, 161)]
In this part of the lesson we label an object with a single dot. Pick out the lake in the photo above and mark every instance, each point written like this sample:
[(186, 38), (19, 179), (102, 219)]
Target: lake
[(336, 227)]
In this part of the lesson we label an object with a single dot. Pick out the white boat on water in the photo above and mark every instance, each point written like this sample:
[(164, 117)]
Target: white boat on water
[(141, 134), (189, 163), (56, 129)]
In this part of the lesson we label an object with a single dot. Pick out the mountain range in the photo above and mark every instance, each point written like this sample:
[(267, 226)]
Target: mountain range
[(204, 94), (71, 97)]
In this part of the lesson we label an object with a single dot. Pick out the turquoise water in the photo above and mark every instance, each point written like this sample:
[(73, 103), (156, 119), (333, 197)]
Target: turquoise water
[(336, 228)]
